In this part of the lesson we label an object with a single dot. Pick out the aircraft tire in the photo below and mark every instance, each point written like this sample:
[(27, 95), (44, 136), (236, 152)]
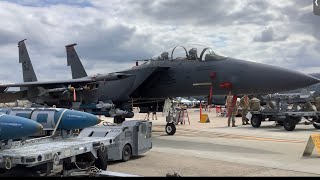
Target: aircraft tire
[(289, 124), (170, 129), (126, 153), (255, 121)]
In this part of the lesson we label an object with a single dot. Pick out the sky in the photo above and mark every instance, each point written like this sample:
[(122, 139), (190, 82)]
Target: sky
[(111, 34)]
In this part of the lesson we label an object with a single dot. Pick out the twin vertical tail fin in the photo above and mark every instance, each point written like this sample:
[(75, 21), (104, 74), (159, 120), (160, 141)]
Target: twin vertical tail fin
[(72, 59), (27, 68), (74, 62)]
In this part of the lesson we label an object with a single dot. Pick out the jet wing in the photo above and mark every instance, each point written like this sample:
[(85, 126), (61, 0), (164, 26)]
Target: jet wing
[(46, 83), (74, 82)]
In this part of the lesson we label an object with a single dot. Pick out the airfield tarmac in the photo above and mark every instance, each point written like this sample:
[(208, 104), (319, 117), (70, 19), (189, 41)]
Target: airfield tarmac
[(213, 149)]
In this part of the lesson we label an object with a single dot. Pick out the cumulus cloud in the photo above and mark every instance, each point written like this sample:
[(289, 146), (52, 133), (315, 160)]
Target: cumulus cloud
[(268, 35), (111, 34), (38, 3)]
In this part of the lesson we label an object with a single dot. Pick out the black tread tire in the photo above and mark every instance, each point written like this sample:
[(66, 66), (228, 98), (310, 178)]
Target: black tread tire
[(21, 172), (102, 160), (126, 153), (255, 121), (315, 125), (170, 129), (289, 124)]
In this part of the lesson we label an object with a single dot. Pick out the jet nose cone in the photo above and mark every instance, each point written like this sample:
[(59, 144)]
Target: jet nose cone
[(257, 78), (294, 80), (310, 80)]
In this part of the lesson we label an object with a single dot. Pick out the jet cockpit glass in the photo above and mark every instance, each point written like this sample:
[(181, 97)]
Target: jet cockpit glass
[(189, 52), (208, 54)]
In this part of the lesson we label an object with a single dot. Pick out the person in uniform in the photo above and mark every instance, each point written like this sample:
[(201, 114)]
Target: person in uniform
[(244, 104), (317, 103), (232, 111)]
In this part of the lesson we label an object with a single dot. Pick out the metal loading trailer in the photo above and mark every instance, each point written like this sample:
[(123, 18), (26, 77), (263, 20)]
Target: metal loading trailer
[(287, 119), (131, 138), (287, 110), (53, 155)]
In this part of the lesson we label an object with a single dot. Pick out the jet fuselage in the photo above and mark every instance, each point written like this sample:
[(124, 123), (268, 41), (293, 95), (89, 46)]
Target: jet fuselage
[(183, 78)]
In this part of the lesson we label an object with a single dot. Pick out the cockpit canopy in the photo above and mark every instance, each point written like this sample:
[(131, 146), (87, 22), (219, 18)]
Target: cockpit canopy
[(190, 52)]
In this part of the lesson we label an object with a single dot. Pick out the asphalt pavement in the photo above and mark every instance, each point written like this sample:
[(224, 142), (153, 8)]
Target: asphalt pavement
[(214, 149)]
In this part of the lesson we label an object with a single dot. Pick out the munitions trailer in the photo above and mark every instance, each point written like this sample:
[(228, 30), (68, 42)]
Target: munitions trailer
[(287, 111), (50, 156), (287, 119)]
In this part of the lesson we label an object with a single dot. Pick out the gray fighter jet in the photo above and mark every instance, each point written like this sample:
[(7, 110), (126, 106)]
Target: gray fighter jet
[(179, 72), (182, 71)]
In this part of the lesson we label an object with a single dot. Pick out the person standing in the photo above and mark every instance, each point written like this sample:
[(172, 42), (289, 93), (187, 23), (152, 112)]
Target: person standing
[(232, 110), (244, 104), (154, 114), (317, 103), (147, 115)]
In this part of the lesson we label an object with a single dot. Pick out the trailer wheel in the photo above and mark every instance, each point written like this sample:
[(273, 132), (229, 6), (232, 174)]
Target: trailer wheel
[(170, 129), (316, 126), (317, 121), (21, 172), (101, 161), (255, 121), (289, 124), (126, 153)]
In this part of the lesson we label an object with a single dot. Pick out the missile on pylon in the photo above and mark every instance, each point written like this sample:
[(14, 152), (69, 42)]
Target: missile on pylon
[(15, 127), (117, 112), (100, 105)]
